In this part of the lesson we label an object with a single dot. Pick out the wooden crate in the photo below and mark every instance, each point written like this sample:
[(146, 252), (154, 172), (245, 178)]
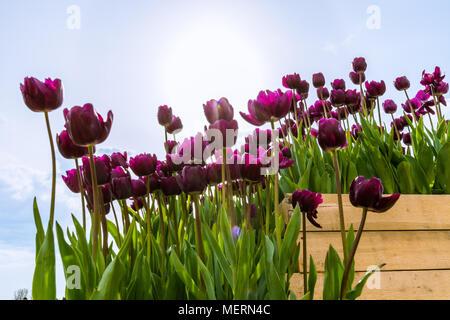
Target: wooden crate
[(412, 239)]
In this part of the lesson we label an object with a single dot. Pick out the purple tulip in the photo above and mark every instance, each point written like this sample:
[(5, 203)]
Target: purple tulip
[(359, 65), (137, 204), (407, 139), (139, 188), (303, 89), (42, 96), (308, 202), (338, 97), (218, 110), (251, 168), (269, 106), (175, 126), (283, 161), (102, 170), (119, 160), (291, 81), (105, 195), (389, 106), (331, 136), (143, 164), (170, 145), (224, 126), (119, 172), (357, 78), (236, 232), (192, 179), (338, 84), (214, 173), (164, 116), (71, 180), (318, 80), (401, 83), (441, 88), (375, 89), (169, 186), (356, 129), (67, 148), (352, 97), (86, 127), (368, 193), (323, 93), (121, 187), (253, 211)]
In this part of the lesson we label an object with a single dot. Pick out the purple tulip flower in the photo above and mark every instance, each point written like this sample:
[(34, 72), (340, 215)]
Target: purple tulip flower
[(331, 136), (42, 96), (67, 148), (308, 202)]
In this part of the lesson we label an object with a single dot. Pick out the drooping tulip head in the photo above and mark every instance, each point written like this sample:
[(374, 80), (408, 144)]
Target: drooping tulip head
[(86, 127), (308, 202), (368, 193), (42, 96)]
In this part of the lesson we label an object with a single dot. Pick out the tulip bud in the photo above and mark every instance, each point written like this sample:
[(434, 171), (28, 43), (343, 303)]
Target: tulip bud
[(407, 139), (218, 110), (42, 96), (338, 97), (67, 148), (318, 80), (164, 116), (85, 127), (389, 106), (322, 93), (303, 89), (401, 83), (338, 84), (71, 180), (192, 179), (368, 193), (357, 78), (291, 81), (331, 136), (359, 65)]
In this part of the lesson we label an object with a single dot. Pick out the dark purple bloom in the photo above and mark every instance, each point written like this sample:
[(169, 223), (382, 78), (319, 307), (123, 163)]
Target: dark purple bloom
[(331, 136), (119, 159), (338, 97), (368, 193), (42, 96), (407, 139), (401, 83), (323, 93), (218, 110), (318, 80), (86, 127), (356, 129), (357, 78), (164, 116), (139, 188), (67, 148), (192, 179), (121, 187), (71, 180), (169, 186), (375, 89), (291, 81), (225, 126), (308, 202), (143, 164), (303, 89), (119, 172), (359, 65), (137, 204), (175, 126), (338, 84), (214, 173), (251, 168), (389, 106), (352, 97), (102, 170), (441, 88)]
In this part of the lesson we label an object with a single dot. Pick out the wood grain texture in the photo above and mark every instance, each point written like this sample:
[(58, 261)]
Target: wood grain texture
[(400, 250), (411, 212), (393, 285)]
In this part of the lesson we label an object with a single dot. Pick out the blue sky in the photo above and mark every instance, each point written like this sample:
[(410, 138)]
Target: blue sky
[(132, 56)]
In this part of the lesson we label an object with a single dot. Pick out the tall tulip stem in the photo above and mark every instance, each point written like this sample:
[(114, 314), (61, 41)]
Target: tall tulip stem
[(198, 225), (276, 195), (96, 225), (341, 209), (80, 184), (52, 148), (305, 262), (348, 265)]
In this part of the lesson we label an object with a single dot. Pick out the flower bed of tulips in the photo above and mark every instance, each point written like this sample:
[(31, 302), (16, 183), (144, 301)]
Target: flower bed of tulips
[(204, 221)]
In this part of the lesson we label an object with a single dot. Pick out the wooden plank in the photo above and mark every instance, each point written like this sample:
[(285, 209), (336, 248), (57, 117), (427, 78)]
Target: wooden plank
[(392, 285), (411, 212), (400, 250)]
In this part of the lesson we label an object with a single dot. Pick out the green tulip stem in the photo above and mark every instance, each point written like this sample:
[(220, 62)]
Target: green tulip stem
[(198, 225), (276, 199), (52, 148), (268, 205), (126, 216), (96, 224), (410, 106), (149, 224), (379, 116), (224, 163), (436, 103), (341, 209), (117, 223), (261, 217), (305, 261), (166, 146), (363, 99), (162, 235), (80, 185), (348, 265), (395, 129)]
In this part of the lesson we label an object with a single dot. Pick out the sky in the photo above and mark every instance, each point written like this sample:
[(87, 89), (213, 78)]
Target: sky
[(133, 56)]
